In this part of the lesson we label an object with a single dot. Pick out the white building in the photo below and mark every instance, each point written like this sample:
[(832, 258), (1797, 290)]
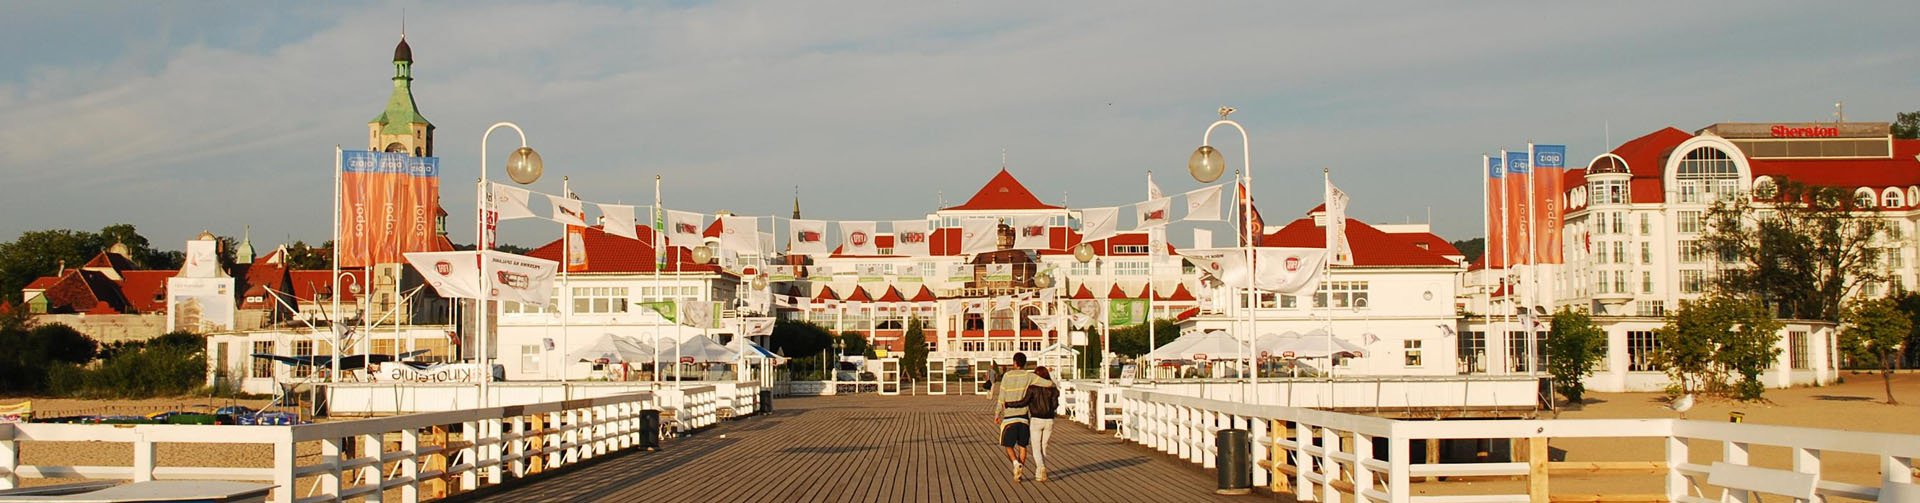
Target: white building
[(1633, 216)]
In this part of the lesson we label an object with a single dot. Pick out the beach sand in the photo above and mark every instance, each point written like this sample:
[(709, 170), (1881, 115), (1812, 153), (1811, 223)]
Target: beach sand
[(1858, 404)]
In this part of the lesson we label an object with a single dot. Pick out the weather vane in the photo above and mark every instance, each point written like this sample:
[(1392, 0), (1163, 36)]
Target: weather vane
[(1225, 111)]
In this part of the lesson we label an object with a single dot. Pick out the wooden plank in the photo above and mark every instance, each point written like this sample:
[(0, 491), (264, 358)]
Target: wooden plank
[(1537, 469), (866, 447)]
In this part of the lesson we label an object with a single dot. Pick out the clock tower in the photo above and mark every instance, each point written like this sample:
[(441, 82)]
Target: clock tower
[(401, 128)]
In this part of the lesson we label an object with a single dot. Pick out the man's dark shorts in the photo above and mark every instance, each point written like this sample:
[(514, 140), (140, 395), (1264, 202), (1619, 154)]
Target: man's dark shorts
[(1014, 434)]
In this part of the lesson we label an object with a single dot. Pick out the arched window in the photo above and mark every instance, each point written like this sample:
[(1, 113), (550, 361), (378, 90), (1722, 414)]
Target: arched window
[(1863, 198), (1002, 320), (1706, 173), (1893, 198), (1763, 187), (1027, 316)]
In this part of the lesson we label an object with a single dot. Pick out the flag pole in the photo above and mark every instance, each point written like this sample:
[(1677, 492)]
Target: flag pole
[(1152, 254), (1506, 261), (1486, 256), (659, 262), (1533, 270), (333, 319), (566, 264)]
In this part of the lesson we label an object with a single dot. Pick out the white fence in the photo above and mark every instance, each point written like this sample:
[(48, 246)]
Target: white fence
[(388, 398), (422, 456), (1327, 456)]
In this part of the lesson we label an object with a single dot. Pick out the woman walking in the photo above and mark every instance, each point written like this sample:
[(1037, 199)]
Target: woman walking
[(1041, 399)]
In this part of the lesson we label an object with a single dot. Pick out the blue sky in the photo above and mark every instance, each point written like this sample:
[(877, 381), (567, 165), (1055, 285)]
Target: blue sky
[(183, 116)]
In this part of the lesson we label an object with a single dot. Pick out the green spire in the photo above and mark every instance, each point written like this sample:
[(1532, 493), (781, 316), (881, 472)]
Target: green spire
[(401, 112), (243, 253)]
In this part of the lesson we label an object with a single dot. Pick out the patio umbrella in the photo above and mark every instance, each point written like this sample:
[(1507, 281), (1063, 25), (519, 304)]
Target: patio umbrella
[(700, 349), (1315, 344), (613, 348)]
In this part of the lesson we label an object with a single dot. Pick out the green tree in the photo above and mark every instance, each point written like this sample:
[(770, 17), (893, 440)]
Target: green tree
[(1719, 344), (1132, 341), (1873, 334), (1909, 303), (1573, 348), (1802, 249), (1906, 125), (915, 359), (854, 343), (1472, 248), (303, 256)]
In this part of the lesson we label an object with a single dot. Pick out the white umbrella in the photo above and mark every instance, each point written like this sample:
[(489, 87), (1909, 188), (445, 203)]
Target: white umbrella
[(1058, 350), (613, 348), (1315, 344), (1172, 350), (1214, 345), (1269, 344), (701, 349)]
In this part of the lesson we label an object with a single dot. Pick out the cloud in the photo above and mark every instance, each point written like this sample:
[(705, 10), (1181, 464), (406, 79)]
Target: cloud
[(878, 110)]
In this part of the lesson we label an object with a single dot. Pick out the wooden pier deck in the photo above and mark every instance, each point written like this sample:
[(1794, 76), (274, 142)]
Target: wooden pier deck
[(875, 448)]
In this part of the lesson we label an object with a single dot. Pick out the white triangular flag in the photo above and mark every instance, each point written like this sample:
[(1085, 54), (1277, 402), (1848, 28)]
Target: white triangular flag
[(1204, 204), (617, 219), (567, 211), (1152, 213), (911, 238), (807, 237), (1030, 232), (1099, 223), (740, 234), (979, 235), (858, 238), (683, 228), (510, 202)]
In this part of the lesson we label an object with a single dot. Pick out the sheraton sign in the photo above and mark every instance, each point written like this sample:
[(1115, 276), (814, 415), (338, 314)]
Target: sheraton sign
[(1772, 130)]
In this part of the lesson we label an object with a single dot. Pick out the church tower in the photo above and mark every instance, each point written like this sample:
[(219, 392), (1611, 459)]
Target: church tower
[(401, 128)]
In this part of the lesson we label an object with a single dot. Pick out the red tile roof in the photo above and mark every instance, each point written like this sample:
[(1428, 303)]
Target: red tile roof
[(109, 260), (1004, 192), (925, 295), (1371, 247), (1082, 293), (615, 254), (1116, 293), (146, 290), (1646, 157), (859, 295), (826, 293), (1180, 294), (892, 295)]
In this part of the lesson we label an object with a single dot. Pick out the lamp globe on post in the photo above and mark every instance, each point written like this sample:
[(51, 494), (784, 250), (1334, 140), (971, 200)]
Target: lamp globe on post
[(524, 166), (1083, 253), (760, 281), (702, 254), (1206, 164), (1042, 280)]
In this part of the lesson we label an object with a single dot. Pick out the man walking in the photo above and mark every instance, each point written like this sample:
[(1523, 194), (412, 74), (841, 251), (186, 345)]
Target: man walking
[(1014, 430)]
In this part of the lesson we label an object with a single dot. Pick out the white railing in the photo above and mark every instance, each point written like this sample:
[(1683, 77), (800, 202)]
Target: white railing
[(1327, 456), (422, 456), (1367, 393), (738, 399)]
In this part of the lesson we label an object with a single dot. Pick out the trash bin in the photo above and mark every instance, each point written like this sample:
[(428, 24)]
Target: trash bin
[(650, 430), (766, 401), (1233, 455)]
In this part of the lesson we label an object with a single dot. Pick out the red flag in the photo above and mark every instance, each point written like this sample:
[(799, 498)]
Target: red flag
[(1258, 226), (1491, 255)]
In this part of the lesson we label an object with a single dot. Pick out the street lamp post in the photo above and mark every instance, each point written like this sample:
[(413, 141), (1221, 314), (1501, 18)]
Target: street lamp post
[(353, 285), (524, 167), (1206, 165)]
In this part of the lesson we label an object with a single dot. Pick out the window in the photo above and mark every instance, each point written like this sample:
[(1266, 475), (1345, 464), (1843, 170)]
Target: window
[(1646, 224), (1131, 249), (261, 368), (1797, 350), (1693, 281), (1704, 172), (1620, 282), (1002, 320), (1863, 198), (1646, 281), (1619, 223), (1646, 253), (302, 348), (1691, 222), (1691, 252), (1896, 258), (1600, 253), (1289, 301), (1651, 308), (1345, 294), (1641, 345), (602, 299), (1000, 346), (1413, 352), (1473, 352), (1619, 252), (1029, 345), (1517, 350), (1600, 223), (1130, 267), (973, 345), (1893, 198), (510, 307), (530, 358), (1609, 192)]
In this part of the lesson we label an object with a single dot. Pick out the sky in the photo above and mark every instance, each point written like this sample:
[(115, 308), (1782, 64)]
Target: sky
[(187, 116)]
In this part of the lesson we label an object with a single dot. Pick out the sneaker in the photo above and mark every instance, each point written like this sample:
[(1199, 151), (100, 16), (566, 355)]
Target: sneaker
[(1016, 473), (1040, 475)]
